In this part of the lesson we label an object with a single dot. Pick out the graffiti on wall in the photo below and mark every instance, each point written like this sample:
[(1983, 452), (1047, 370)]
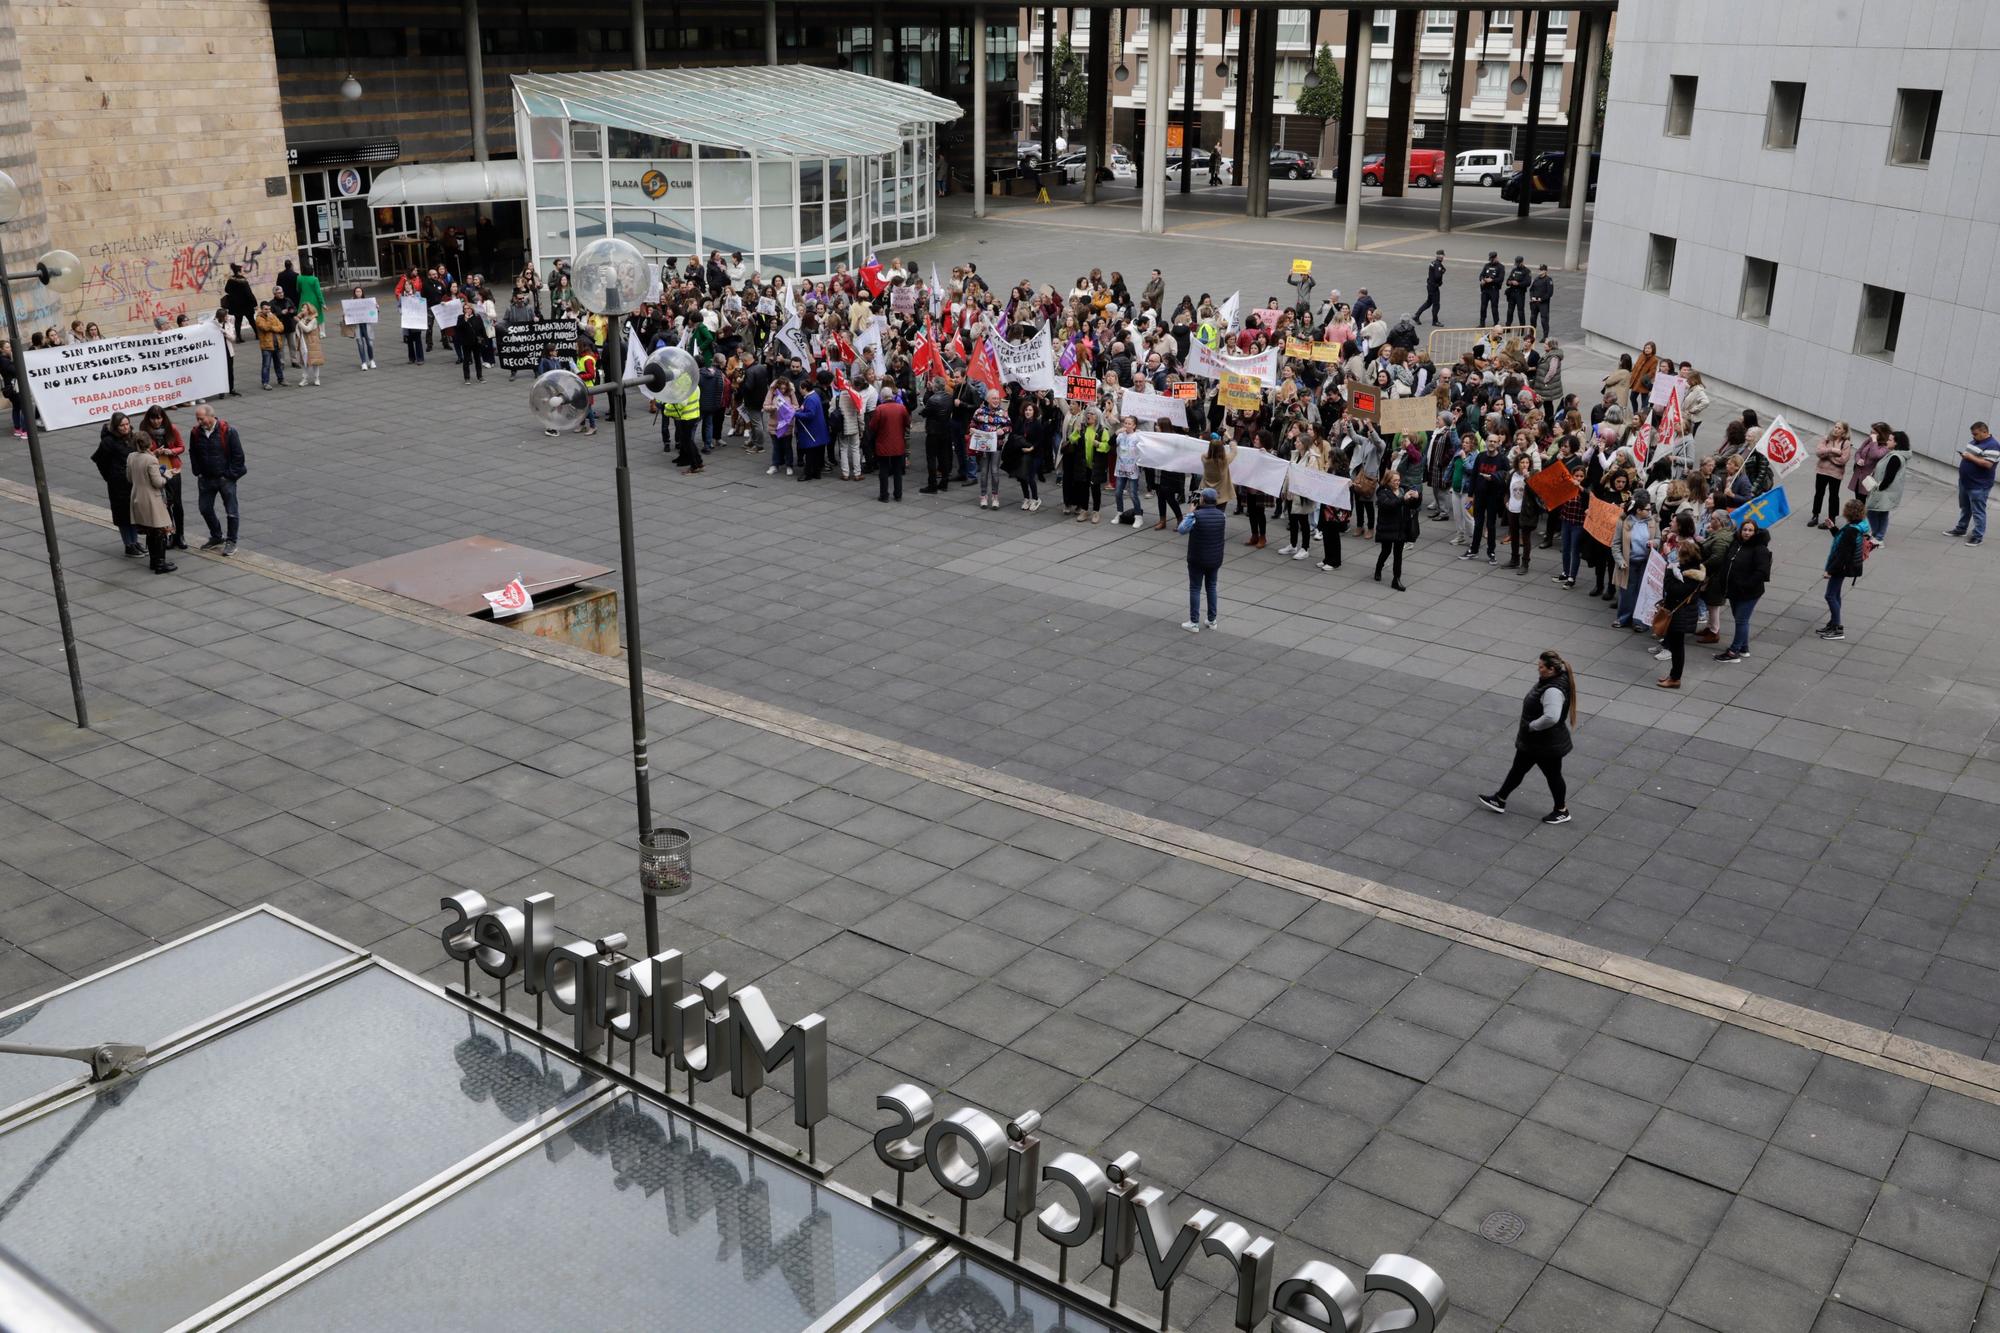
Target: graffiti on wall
[(178, 271)]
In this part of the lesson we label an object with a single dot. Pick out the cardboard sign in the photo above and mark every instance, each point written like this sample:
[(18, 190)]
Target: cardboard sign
[(1409, 415), (1664, 387), (1600, 521), (521, 345), (903, 300), (1298, 349), (1242, 392), (1302, 266), (1554, 486), (1362, 401), (1326, 352), (1081, 389), (1185, 389)]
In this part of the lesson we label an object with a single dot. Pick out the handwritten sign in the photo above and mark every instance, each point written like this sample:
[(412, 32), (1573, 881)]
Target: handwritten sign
[(1302, 266), (363, 311), (903, 300), (1187, 390), (414, 313), (522, 345), (1243, 392), (766, 306), (1081, 389), (1600, 521), (1554, 486), (446, 313), (1298, 349), (1327, 352), (1408, 415)]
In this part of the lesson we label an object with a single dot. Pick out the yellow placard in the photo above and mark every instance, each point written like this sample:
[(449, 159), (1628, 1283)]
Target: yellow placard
[(1328, 352), (1245, 392), (1298, 349), (1302, 266)]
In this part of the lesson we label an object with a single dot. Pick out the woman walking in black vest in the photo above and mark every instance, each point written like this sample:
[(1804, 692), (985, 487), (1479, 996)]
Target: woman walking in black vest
[(1547, 714)]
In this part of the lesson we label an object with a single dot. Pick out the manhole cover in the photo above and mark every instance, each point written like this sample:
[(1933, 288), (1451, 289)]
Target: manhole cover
[(1503, 1227)]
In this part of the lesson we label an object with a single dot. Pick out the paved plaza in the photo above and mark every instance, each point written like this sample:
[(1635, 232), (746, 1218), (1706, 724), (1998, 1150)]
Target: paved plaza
[(959, 781)]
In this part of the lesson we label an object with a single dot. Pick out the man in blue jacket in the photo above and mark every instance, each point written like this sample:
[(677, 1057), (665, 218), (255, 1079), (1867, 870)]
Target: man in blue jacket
[(1204, 527), (215, 456)]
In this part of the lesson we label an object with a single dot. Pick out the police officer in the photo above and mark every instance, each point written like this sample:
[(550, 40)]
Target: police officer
[(1490, 274), (1517, 291), (1433, 292), (1540, 292)]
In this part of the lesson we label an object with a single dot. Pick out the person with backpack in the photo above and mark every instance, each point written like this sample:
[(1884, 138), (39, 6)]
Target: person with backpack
[(1548, 712), (1843, 562), (1206, 529), (215, 456)]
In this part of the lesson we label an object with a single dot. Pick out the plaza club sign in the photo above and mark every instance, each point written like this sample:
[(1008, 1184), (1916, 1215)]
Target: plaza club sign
[(714, 1029)]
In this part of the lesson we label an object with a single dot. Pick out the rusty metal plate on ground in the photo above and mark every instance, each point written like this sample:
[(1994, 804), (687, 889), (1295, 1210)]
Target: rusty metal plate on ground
[(456, 576)]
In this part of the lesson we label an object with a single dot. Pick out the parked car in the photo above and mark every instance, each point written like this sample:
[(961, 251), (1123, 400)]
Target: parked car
[(1291, 164), (1200, 166), (1425, 168), (1548, 174), (1113, 168), (1482, 166)]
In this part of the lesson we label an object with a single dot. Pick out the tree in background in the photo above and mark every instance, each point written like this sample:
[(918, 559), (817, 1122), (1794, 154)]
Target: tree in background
[(1321, 95), (1069, 88)]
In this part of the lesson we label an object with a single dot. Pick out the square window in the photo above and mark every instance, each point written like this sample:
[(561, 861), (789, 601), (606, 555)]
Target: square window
[(1781, 120), (1915, 130), (1660, 264), (1680, 105), (1760, 280), (1881, 321)]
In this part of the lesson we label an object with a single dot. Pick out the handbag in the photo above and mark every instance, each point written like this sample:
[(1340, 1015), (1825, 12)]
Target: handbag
[(1363, 486), (1663, 618)]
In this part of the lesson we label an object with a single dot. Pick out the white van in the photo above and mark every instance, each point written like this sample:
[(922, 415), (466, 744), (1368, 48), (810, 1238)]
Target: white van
[(1482, 166)]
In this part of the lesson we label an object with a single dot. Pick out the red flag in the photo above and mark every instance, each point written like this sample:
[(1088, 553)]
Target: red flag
[(957, 347), (1642, 443), (853, 395), (984, 367), (926, 360), (871, 274)]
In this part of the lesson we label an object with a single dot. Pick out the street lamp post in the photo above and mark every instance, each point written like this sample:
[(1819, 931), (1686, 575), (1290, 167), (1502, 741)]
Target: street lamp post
[(611, 280), (59, 271)]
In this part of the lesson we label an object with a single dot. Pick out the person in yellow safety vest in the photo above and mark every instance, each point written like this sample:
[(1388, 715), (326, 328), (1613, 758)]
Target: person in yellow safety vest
[(1209, 334), (1097, 450), (680, 419)]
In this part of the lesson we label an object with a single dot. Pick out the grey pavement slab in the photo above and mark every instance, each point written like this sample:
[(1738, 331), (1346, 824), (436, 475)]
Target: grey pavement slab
[(1356, 1085)]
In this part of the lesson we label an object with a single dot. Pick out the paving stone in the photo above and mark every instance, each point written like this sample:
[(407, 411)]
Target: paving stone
[(1699, 1150), (1907, 1292), (1811, 1189), (1422, 1177), (1935, 1231), (1732, 1298), (1561, 1302), (1625, 1257), (1548, 1157), (1683, 1208)]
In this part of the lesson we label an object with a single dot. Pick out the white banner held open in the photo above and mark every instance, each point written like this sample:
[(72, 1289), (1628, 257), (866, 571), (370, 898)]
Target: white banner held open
[(80, 382)]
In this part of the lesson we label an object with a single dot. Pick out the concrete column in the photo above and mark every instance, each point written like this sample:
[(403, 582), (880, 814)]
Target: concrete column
[(1453, 97), (1356, 145), (1586, 144), (1246, 30), (27, 236), (638, 34), (770, 32), (1349, 167), (979, 111), (1190, 126), (1097, 86), (475, 80), (1256, 171), (878, 44), (1153, 200), (1540, 19), (1048, 83), (1402, 95)]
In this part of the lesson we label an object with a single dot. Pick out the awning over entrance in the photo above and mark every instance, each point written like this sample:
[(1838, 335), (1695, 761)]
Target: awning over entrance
[(435, 183)]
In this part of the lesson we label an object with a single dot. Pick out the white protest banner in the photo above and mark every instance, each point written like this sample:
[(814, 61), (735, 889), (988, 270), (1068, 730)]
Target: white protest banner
[(512, 600), (635, 357), (363, 311), (1164, 451), (903, 299), (414, 313), (654, 289), (1031, 364), (1227, 314), (446, 313), (1202, 362), (1262, 367), (1780, 444), (870, 343), (1149, 407), (1320, 487), (792, 341), (1665, 386), (1650, 588), (79, 382), (1258, 470)]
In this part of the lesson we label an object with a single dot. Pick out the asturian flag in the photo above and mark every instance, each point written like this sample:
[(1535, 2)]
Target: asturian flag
[(1769, 508), (511, 600), (871, 276)]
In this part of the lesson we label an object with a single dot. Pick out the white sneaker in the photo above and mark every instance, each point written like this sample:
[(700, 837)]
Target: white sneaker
[(1191, 627), (788, 472), (1211, 622), (1300, 554), (1326, 566), (773, 471), (1286, 550)]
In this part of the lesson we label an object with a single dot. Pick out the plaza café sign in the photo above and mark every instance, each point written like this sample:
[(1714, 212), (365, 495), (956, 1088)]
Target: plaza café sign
[(716, 1028)]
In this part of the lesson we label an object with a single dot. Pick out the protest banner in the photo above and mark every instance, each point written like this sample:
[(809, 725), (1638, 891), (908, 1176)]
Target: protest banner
[(1650, 588), (1031, 364), (1263, 367), (78, 382), (1399, 415), (521, 345), (1780, 444), (1147, 407), (366, 310), (446, 313), (1185, 390), (1226, 315), (1327, 352), (1241, 392), (1081, 389), (1362, 401), (903, 299), (766, 306), (1166, 452), (414, 313), (1665, 387), (1554, 486), (1298, 349), (1320, 487), (1258, 470), (1302, 266), (1600, 521)]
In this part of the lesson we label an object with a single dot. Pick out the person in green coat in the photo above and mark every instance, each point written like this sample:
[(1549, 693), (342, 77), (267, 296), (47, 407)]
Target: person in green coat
[(311, 295)]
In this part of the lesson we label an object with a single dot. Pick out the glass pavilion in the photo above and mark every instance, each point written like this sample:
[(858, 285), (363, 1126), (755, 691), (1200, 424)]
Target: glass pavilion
[(797, 167)]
